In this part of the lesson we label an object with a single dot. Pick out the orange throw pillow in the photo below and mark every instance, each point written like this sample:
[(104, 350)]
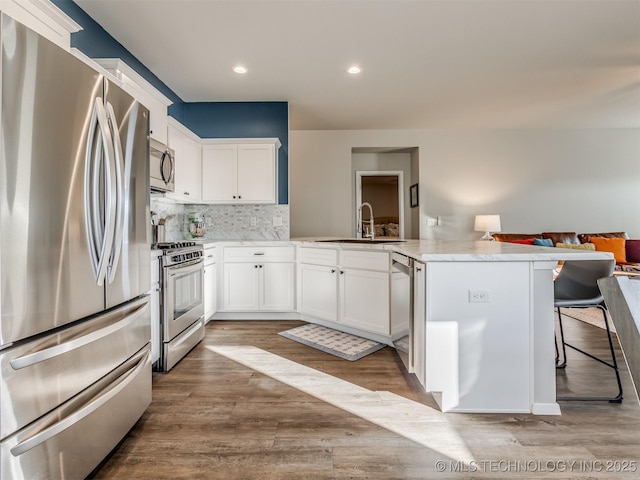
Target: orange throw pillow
[(613, 245)]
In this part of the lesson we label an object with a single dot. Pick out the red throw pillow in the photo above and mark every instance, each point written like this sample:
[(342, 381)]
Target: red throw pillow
[(632, 249), (528, 241)]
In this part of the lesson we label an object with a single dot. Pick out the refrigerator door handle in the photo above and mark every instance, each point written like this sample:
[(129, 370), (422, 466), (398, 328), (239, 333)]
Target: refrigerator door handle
[(117, 386), (100, 236), (77, 342), (118, 161), (91, 191)]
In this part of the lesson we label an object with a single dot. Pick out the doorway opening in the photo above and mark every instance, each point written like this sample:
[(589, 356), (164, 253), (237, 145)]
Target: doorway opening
[(383, 191)]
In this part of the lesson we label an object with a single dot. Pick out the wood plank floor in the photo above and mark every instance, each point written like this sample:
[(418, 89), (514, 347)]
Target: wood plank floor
[(213, 418)]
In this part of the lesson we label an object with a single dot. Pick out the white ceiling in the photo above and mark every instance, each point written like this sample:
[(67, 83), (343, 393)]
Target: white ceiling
[(426, 64)]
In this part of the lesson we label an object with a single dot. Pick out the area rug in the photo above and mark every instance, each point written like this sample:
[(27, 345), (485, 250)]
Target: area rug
[(592, 316), (340, 344)]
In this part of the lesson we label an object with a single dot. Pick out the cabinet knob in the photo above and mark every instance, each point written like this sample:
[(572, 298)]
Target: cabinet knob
[(418, 269), (341, 272), (333, 270), (260, 266), (234, 196), (255, 266), (239, 196), (186, 193)]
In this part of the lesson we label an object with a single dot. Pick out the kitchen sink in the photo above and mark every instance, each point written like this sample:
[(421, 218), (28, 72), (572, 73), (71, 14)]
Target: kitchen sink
[(360, 240)]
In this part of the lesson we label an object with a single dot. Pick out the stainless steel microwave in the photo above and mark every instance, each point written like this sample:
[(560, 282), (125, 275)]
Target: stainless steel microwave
[(161, 167)]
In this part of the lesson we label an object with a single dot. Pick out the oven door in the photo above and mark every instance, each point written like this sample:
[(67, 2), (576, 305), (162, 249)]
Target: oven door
[(183, 297)]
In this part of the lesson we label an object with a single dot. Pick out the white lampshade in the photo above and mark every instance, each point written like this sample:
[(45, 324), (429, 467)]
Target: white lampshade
[(487, 223)]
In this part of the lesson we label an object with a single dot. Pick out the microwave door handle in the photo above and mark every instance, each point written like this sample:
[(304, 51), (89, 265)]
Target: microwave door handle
[(109, 192), (118, 160), (166, 155)]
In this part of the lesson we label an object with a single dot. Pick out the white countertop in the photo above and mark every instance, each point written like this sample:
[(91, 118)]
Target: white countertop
[(440, 250), (468, 251)]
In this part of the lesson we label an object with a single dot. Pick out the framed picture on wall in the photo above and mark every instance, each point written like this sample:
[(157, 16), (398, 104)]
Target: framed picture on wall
[(413, 195)]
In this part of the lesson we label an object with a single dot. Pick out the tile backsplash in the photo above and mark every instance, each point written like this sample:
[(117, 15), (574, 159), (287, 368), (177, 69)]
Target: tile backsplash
[(225, 222)]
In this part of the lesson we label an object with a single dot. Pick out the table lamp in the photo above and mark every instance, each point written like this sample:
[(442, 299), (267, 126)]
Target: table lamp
[(487, 224)]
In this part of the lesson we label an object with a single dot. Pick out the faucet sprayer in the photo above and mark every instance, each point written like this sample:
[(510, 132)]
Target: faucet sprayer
[(371, 233)]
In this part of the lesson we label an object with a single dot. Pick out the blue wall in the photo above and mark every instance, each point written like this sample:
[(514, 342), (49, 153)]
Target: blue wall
[(205, 119), (95, 42)]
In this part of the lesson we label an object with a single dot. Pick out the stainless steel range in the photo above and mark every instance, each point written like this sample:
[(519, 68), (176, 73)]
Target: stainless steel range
[(182, 309)]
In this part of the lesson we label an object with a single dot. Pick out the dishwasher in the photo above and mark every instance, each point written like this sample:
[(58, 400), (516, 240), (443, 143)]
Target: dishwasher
[(402, 307)]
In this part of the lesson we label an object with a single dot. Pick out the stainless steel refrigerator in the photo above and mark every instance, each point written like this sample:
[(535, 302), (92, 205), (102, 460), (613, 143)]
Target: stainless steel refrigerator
[(74, 261)]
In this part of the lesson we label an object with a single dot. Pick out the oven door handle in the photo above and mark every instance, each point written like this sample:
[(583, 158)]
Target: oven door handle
[(190, 266)]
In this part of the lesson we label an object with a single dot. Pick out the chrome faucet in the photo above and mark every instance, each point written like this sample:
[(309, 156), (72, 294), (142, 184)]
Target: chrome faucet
[(364, 234)]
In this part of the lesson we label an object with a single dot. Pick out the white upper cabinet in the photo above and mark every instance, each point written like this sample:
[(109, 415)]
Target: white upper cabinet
[(240, 170), (140, 89), (219, 173), (43, 17), (188, 161)]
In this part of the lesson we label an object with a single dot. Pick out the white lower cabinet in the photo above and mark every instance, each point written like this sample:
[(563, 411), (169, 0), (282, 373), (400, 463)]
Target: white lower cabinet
[(355, 293), (240, 286), (318, 291), (364, 300), (259, 279), (276, 286), (210, 283)]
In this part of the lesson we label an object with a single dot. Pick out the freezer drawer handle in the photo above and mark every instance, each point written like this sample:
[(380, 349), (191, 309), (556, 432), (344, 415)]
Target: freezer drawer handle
[(51, 352), (88, 409)]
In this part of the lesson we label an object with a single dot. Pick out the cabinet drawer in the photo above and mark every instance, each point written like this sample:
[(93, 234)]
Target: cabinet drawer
[(262, 254), (365, 260), (210, 255), (318, 256)]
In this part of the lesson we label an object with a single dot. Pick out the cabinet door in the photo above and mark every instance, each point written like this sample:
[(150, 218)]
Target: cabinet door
[(364, 300), (188, 165), (219, 173), (210, 272), (191, 161), (240, 287), (277, 286), (257, 173), (318, 291)]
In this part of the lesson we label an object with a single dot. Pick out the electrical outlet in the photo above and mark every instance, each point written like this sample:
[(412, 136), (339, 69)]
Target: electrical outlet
[(432, 222), (277, 221), (479, 296)]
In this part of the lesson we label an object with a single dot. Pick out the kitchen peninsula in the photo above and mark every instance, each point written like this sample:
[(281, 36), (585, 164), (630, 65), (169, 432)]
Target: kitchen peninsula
[(483, 323)]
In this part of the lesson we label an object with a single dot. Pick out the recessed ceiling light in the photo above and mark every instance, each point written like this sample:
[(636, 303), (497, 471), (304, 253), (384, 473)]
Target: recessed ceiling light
[(240, 69), (354, 69)]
